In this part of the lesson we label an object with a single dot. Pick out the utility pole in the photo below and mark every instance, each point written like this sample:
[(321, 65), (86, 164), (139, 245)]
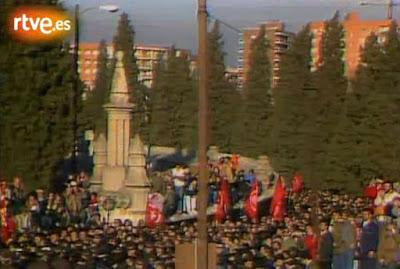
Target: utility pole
[(390, 6), (75, 93), (202, 199)]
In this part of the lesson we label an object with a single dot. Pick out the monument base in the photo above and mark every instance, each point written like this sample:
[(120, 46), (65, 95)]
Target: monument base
[(138, 197), (126, 214), (113, 178)]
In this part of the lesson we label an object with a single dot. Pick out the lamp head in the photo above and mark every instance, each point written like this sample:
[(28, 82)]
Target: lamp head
[(109, 8)]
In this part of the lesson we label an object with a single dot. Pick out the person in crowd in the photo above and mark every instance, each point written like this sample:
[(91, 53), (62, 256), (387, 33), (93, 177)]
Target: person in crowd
[(56, 237), (395, 211), (73, 198), (178, 174), (325, 247), (369, 241), (170, 202), (190, 196), (250, 177), (311, 242), (389, 245), (344, 242)]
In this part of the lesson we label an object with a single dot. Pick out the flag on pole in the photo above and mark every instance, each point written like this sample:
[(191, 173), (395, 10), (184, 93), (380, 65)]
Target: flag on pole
[(154, 210), (278, 207), (251, 206), (224, 201), (298, 183)]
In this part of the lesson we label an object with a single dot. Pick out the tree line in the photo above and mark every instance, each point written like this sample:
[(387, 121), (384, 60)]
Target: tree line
[(336, 131)]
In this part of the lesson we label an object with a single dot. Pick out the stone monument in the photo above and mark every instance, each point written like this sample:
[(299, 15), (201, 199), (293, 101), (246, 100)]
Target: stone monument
[(120, 165)]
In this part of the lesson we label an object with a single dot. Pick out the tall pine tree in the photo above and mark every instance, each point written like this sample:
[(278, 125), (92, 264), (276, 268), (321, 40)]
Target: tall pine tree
[(36, 123), (94, 113), (331, 86), (290, 110), (174, 109), (377, 86), (224, 98), (124, 40), (258, 107)]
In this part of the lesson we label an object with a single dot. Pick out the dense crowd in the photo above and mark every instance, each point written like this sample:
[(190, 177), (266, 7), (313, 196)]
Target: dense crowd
[(179, 185), (324, 229)]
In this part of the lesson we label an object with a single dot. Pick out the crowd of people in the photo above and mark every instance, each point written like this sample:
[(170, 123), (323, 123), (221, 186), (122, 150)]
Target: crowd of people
[(321, 230), (179, 185)]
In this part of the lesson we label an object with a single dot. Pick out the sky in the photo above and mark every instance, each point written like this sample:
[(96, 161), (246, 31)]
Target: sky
[(174, 22)]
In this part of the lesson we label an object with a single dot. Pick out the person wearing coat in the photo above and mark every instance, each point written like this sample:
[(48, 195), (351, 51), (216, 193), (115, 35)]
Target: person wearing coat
[(369, 241), (344, 242), (325, 247), (389, 244)]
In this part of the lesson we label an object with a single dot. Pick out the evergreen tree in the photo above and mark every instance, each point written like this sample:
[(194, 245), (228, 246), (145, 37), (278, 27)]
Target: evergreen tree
[(223, 95), (290, 110), (174, 117), (377, 85), (94, 112), (331, 86), (124, 41), (160, 133), (36, 123), (258, 108)]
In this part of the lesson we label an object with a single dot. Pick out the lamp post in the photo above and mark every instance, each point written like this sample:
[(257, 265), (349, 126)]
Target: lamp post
[(75, 95)]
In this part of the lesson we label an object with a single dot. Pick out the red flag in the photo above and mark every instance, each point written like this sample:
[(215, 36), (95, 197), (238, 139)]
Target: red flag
[(278, 207), (298, 183), (224, 201), (154, 210), (9, 229), (371, 192), (251, 206)]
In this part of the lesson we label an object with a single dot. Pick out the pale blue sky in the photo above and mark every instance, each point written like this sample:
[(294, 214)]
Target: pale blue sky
[(174, 21)]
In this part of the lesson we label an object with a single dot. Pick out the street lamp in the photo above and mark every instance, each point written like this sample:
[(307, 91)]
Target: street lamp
[(74, 102)]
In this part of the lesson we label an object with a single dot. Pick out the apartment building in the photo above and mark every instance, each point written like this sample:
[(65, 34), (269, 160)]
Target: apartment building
[(279, 41), (356, 31)]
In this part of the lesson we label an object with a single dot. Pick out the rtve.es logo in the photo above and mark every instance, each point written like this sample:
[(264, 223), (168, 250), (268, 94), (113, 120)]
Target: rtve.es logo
[(35, 24)]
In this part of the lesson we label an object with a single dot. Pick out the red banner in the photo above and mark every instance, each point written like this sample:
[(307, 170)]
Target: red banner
[(278, 207), (251, 206), (224, 201), (154, 210), (298, 183)]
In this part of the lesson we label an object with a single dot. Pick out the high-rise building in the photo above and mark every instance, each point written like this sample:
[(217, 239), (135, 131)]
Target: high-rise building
[(279, 41), (147, 57), (356, 32), (88, 59)]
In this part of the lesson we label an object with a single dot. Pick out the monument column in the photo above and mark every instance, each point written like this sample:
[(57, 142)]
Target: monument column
[(119, 113)]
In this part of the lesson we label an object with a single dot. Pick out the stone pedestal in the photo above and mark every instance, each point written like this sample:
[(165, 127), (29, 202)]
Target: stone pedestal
[(113, 178)]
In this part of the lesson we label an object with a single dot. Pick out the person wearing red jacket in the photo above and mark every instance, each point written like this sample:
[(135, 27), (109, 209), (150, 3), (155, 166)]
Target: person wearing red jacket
[(311, 242)]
